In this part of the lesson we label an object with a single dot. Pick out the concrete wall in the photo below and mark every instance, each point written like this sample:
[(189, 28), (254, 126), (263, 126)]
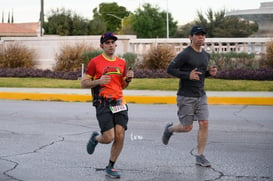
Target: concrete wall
[(47, 47)]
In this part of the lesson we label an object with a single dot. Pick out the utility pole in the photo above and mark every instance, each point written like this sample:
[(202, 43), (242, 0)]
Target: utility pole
[(9, 17), (167, 19), (3, 17), (41, 17), (12, 17)]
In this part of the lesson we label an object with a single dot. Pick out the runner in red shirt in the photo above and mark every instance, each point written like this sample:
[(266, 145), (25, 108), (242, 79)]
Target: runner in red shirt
[(115, 69), (107, 76)]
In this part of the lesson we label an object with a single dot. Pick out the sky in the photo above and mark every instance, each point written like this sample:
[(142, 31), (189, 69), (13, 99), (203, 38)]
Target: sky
[(182, 11)]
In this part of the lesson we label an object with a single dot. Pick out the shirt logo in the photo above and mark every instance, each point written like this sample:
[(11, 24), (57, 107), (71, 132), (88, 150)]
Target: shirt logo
[(111, 71)]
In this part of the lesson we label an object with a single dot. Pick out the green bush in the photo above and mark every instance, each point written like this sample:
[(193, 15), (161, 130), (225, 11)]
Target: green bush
[(158, 57), (88, 55), (16, 55), (269, 53), (233, 61), (70, 57), (131, 59)]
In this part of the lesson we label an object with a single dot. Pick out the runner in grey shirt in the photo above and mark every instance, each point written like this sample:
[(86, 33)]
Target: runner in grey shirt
[(190, 66)]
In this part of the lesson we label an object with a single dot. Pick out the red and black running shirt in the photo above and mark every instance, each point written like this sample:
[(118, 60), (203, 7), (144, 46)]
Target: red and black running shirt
[(115, 68)]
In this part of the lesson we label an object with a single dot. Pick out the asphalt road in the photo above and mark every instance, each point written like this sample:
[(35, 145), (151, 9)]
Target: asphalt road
[(46, 141)]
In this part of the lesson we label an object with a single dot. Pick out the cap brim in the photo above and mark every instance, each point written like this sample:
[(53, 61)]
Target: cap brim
[(109, 38), (200, 32)]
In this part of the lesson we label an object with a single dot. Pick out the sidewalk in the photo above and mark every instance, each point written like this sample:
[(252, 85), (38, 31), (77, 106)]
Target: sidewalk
[(135, 96)]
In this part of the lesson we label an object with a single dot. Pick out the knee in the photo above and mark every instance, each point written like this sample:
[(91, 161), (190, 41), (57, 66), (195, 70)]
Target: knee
[(119, 136), (204, 124), (187, 128), (108, 139), (119, 133)]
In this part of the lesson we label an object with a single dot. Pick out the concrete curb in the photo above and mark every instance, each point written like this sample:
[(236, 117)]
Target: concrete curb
[(142, 99)]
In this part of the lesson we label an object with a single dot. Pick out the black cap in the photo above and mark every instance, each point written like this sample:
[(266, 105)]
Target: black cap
[(197, 29), (107, 36)]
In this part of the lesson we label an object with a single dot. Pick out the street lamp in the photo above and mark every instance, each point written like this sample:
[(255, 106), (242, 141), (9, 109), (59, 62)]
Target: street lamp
[(41, 17), (109, 14), (167, 20)]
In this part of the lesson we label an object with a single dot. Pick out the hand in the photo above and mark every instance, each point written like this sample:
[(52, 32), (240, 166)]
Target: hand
[(129, 74), (213, 70), (104, 79), (194, 75)]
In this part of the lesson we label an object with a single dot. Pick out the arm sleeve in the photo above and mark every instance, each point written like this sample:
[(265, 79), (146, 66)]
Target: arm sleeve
[(90, 70), (207, 74), (175, 69), (124, 72)]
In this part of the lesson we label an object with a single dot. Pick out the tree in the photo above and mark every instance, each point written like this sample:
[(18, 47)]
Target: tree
[(97, 26), (79, 26), (111, 14), (151, 23), (183, 31), (64, 22), (126, 26), (218, 25)]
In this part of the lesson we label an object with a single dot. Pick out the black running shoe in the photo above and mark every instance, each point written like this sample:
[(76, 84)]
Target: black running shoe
[(91, 145), (167, 134)]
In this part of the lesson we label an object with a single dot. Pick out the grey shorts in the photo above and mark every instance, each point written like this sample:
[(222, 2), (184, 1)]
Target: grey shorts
[(192, 109)]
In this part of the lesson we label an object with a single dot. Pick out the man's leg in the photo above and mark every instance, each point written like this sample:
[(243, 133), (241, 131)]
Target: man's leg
[(202, 136), (106, 137), (202, 116), (185, 114), (201, 144), (115, 152), (180, 128), (170, 129), (118, 143), (115, 134)]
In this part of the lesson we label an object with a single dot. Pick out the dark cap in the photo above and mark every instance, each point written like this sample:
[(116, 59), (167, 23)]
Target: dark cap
[(107, 36), (197, 29)]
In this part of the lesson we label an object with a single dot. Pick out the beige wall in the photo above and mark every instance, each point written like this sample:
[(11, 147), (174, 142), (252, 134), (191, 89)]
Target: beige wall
[(47, 47)]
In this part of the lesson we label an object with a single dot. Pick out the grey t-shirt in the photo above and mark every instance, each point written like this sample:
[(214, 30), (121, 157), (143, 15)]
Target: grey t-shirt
[(183, 64)]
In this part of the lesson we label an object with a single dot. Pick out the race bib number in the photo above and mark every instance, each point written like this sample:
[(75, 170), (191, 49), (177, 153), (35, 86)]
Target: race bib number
[(116, 109)]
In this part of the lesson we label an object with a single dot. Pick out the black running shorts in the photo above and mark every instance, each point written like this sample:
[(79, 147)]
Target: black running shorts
[(108, 120)]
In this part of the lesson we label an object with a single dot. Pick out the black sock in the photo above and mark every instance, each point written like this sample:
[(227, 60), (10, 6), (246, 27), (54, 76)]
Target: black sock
[(111, 164)]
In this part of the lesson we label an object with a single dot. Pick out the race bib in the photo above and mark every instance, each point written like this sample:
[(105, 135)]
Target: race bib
[(119, 108)]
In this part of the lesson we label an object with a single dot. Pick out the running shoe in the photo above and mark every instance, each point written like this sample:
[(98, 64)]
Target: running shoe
[(92, 143), (167, 134), (202, 161), (111, 172)]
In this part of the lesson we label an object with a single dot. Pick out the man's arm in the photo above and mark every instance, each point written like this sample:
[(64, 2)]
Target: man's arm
[(125, 82), (212, 71), (128, 78), (87, 82), (173, 69)]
